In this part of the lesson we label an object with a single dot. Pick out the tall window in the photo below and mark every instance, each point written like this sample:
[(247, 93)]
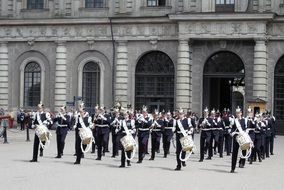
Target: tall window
[(32, 83), (155, 3), (225, 5), (35, 4), (94, 3), (91, 84)]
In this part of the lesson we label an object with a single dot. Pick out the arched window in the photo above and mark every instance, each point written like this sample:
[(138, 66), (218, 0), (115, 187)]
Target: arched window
[(91, 84), (154, 82), (35, 4), (32, 84), (279, 93)]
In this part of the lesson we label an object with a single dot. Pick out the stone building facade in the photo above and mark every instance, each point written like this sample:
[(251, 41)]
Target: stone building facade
[(162, 53)]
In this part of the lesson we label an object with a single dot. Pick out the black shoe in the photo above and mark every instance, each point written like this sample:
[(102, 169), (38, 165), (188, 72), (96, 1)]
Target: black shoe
[(82, 156), (75, 154), (33, 160), (200, 160), (128, 164), (232, 171), (165, 156), (250, 162), (178, 168), (112, 156), (107, 151), (241, 166), (76, 163), (41, 154), (139, 162), (208, 158), (61, 154), (98, 159), (260, 160), (158, 151), (122, 166), (271, 153), (93, 152), (103, 154), (221, 156), (151, 158), (215, 152), (147, 153), (183, 164), (58, 156), (267, 156), (228, 154)]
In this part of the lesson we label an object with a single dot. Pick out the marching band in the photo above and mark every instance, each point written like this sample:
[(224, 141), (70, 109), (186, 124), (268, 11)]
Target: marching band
[(250, 137)]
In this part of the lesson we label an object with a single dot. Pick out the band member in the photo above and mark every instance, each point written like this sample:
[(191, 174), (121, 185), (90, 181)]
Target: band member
[(40, 118), (250, 129), (129, 124), (21, 118), (156, 132), (257, 142), (144, 123), (63, 125), (102, 121), (228, 122), (215, 134), (114, 125), (239, 124), (269, 123), (271, 120), (169, 123), (220, 128), (263, 136), (183, 126), (82, 119), (205, 125)]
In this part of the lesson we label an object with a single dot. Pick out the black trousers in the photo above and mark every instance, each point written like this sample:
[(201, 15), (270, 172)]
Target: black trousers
[(256, 149), (267, 145), (178, 151), (142, 144), (228, 143), (79, 152), (114, 144), (235, 155), (60, 139), (123, 158), (205, 138), (36, 146), (102, 140), (272, 143), (167, 137), (155, 142), (221, 144), (22, 126), (93, 143)]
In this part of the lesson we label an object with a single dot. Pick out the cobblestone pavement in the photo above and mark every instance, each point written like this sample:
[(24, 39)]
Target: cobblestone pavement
[(16, 172)]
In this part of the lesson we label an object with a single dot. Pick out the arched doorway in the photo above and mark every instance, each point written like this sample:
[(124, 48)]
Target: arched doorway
[(154, 82), (91, 85), (279, 95), (223, 71)]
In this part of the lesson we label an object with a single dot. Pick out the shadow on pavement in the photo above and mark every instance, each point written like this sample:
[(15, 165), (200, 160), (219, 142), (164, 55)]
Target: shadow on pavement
[(215, 170)]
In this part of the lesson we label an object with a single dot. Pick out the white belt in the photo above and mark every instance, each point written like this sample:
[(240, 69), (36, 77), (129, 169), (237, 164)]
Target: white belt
[(216, 128), (227, 127), (156, 129), (257, 131), (168, 128), (61, 125), (206, 129), (101, 125), (179, 132), (143, 129)]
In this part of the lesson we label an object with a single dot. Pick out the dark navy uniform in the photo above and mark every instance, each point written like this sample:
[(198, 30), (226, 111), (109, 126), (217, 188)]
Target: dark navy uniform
[(257, 140), (156, 135), (227, 123), (186, 124), (87, 121), (168, 135), (39, 119), (236, 144), (114, 125), (102, 122), (63, 126), (130, 125), (205, 136), (250, 128), (144, 125)]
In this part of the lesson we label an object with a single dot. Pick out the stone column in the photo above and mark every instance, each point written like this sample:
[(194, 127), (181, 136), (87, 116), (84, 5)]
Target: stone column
[(183, 78), (260, 70), (121, 75), (4, 70), (60, 76)]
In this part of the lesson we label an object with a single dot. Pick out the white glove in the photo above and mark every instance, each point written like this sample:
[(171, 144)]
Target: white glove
[(74, 126), (45, 122), (116, 130)]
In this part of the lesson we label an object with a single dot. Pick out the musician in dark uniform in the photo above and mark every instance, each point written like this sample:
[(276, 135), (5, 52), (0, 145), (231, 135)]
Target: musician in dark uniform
[(156, 132), (205, 125), (63, 126), (102, 121), (82, 119), (250, 129), (271, 120), (215, 133), (263, 136), (183, 127), (239, 120), (144, 124), (269, 123), (114, 125), (40, 118), (169, 123), (257, 141), (220, 127), (129, 124), (228, 122)]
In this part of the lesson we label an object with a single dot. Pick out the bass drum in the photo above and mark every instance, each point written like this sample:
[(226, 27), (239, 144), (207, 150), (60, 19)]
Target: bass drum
[(44, 136), (129, 144), (244, 141), (87, 138)]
